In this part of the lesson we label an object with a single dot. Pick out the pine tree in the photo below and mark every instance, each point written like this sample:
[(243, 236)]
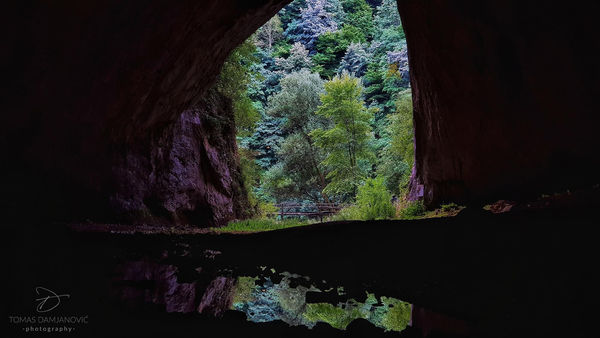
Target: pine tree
[(313, 22), (337, 11), (355, 60), (359, 14), (387, 16), (297, 60), (291, 12)]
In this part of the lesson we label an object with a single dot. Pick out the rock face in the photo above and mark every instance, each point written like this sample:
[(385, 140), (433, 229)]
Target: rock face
[(217, 297), (142, 282), (505, 93), (108, 114), (188, 174)]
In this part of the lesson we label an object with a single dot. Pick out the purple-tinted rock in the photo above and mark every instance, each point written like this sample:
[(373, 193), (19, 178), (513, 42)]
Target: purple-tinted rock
[(218, 296), (163, 287)]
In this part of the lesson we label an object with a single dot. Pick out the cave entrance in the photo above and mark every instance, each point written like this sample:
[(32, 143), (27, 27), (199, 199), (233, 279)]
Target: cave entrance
[(323, 111)]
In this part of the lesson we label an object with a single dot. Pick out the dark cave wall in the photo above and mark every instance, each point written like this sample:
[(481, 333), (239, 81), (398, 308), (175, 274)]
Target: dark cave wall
[(505, 97), (186, 173), (99, 90)]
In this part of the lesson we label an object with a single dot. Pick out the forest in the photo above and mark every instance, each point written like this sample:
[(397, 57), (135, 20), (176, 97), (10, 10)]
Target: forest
[(323, 109)]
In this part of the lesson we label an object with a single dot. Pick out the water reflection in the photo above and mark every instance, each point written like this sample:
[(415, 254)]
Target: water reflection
[(264, 301)]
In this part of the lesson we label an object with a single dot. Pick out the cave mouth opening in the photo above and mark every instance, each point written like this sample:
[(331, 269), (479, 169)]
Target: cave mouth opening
[(323, 110)]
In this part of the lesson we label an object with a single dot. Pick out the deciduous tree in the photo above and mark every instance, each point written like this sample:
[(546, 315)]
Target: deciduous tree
[(347, 141)]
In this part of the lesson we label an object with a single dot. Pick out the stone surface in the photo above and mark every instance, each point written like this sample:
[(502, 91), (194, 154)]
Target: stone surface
[(139, 282), (217, 296), (505, 93), (188, 174)]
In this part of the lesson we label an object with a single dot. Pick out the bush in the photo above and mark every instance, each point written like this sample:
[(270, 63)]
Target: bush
[(347, 214), (413, 209), (374, 201), (267, 209)]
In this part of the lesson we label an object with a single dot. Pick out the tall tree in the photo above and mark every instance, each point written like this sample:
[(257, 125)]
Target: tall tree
[(313, 22), (269, 33), (359, 14), (296, 103), (347, 141), (398, 154), (387, 16)]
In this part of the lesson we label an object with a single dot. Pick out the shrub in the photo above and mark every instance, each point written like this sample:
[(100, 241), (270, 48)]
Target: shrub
[(347, 214), (267, 209), (413, 209), (374, 201)]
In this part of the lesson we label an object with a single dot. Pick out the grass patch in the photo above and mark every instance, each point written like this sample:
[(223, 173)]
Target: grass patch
[(263, 224), (416, 210)]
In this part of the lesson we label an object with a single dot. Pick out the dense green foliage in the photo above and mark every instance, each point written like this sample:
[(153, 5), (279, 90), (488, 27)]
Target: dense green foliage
[(233, 82), (346, 142), (301, 174), (413, 210), (323, 106), (360, 15), (397, 155), (374, 200), (331, 47)]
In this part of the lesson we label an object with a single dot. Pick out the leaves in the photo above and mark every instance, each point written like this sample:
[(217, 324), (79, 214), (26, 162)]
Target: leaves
[(297, 60), (346, 142), (300, 99), (398, 154), (234, 79), (300, 160), (314, 21), (374, 201)]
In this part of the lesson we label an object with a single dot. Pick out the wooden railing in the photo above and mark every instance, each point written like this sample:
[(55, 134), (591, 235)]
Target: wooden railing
[(314, 210)]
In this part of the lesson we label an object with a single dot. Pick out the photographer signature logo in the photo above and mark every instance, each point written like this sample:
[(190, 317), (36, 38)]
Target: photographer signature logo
[(48, 300)]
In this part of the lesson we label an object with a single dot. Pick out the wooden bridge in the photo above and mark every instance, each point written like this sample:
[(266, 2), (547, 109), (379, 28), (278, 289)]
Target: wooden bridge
[(314, 210)]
